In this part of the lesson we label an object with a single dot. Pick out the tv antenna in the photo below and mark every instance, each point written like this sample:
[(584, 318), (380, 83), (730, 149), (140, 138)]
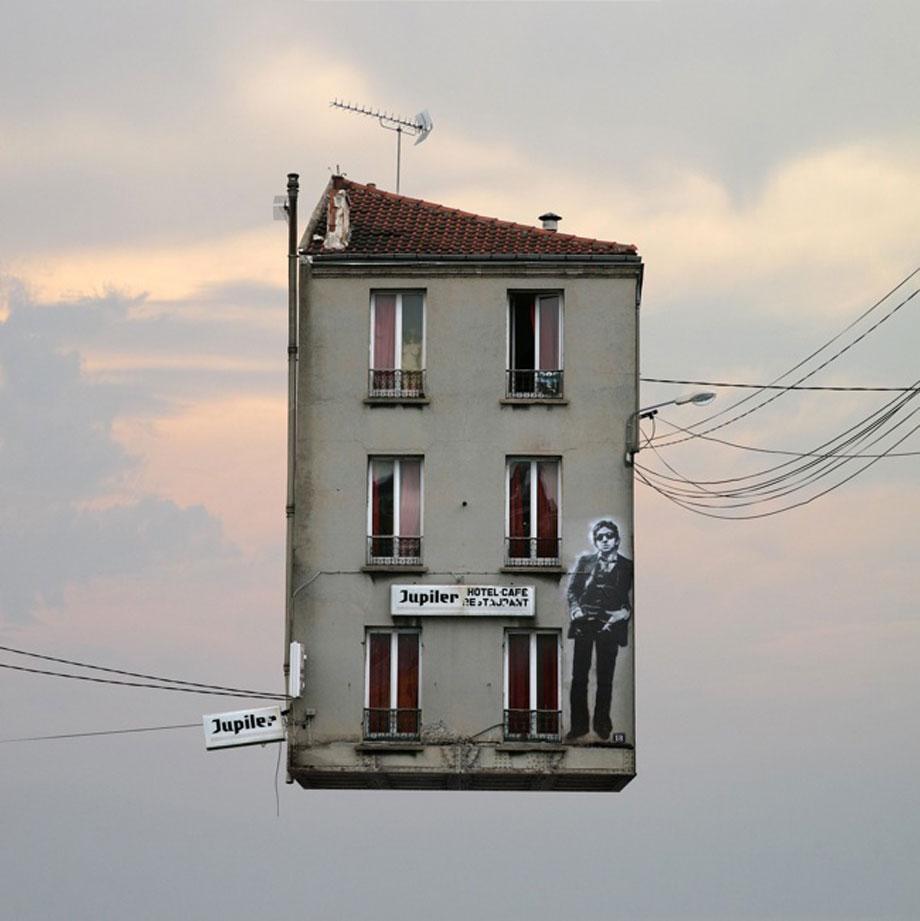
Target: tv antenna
[(419, 127)]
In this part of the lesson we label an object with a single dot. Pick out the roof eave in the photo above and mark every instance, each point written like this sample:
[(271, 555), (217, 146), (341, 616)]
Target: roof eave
[(370, 258)]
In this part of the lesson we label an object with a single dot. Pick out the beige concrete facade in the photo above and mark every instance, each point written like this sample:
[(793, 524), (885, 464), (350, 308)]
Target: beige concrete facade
[(465, 430)]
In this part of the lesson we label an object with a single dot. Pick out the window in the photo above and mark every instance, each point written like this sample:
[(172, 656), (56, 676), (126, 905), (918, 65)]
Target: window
[(397, 345), (532, 513), (394, 511), (534, 346), (391, 686), (532, 703)]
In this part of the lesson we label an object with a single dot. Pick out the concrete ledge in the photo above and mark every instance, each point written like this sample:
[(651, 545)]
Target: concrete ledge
[(535, 401), (396, 748), (534, 570), (396, 401), (524, 748), (394, 569)]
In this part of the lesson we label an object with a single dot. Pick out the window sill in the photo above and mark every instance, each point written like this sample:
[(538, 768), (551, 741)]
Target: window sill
[(383, 747), (535, 570), (535, 746), (396, 401), (394, 567), (534, 401)]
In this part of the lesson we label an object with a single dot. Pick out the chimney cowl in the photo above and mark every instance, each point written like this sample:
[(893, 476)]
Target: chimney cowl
[(550, 221)]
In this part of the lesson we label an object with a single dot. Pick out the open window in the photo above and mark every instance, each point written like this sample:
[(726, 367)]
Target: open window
[(534, 346), (397, 359), (532, 689)]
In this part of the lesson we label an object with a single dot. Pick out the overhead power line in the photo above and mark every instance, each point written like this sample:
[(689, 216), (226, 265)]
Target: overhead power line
[(139, 684), (830, 454), (708, 514), (102, 732), (816, 452), (809, 387), (243, 692), (697, 427), (766, 487)]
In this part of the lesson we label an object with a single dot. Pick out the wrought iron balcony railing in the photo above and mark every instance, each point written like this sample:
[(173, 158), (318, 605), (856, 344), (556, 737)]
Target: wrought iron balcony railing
[(384, 723), (388, 550), (395, 383), (526, 725), (532, 551), (533, 385)]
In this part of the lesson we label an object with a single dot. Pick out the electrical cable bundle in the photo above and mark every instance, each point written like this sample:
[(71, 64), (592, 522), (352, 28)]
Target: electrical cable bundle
[(765, 493)]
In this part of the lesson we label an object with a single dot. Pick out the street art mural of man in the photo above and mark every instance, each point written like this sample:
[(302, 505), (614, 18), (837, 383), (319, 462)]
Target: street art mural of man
[(600, 606)]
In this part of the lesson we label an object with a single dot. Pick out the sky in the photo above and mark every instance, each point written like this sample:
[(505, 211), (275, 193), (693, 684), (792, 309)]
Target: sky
[(764, 159)]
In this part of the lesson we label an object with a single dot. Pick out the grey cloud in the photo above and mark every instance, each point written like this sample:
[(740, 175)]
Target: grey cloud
[(58, 454), (607, 90), (249, 321)]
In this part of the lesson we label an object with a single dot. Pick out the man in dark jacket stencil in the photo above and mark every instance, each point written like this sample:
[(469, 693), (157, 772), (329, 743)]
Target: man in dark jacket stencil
[(600, 607)]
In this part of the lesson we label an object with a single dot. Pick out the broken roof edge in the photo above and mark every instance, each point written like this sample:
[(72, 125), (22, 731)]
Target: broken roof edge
[(317, 214)]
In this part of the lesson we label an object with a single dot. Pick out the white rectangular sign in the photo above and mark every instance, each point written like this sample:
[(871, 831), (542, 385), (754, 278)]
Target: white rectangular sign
[(452, 600), (243, 727)]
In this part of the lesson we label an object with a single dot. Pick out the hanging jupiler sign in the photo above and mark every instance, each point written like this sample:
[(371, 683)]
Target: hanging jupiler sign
[(243, 727), (470, 600)]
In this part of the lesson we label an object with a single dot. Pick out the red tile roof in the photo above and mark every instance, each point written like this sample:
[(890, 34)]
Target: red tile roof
[(383, 223)]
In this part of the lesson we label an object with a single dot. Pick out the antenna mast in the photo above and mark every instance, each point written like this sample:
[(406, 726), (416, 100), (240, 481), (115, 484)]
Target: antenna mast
[(419, 127)]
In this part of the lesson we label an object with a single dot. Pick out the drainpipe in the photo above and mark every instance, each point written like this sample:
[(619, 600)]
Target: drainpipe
[(292, 187)]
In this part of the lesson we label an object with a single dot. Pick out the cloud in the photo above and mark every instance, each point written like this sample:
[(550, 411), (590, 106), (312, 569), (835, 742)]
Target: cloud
[(179, 269), (60, 465), (824, 232)]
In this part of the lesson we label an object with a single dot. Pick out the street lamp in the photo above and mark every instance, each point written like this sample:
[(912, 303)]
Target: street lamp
[(700, 398)]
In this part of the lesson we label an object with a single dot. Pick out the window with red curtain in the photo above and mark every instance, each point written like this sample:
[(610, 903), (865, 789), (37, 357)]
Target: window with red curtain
[(532, 684), (395, 507), (393, 707), (397, 343), (533, 509)]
